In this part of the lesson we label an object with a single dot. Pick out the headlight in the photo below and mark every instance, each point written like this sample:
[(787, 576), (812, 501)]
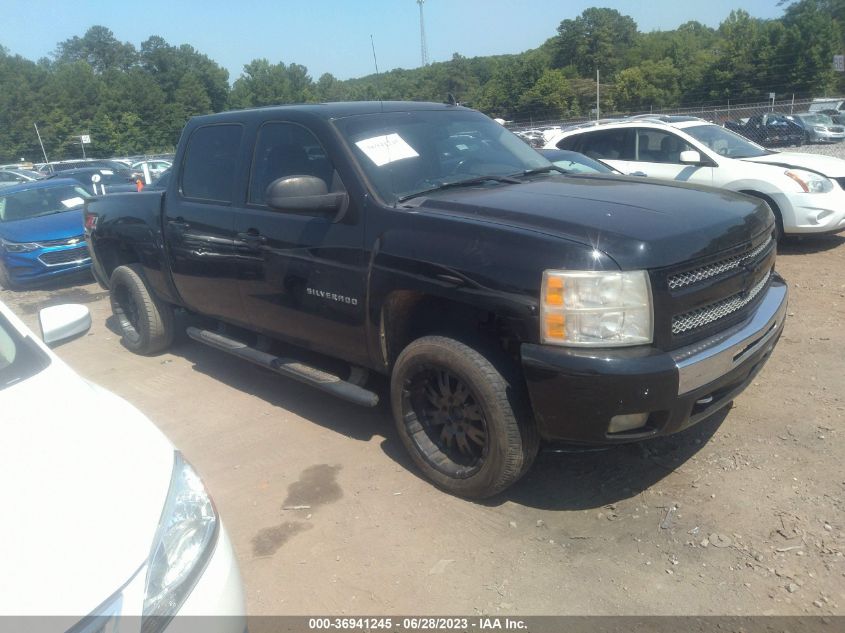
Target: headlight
[(809, 181), (820, 128), (183, 543), (596, 309), (19, 247)]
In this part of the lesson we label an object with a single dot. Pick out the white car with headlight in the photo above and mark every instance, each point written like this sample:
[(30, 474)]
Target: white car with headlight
[(103, 518), (805, 191)]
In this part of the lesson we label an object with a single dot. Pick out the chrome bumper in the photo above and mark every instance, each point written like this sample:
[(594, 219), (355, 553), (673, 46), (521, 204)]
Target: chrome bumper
[(707, 360)]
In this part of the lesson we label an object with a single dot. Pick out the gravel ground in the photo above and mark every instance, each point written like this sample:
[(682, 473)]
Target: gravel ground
[(742, 514), (837, 150)]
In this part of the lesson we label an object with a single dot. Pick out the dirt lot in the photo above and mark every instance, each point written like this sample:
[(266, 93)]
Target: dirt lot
[(740, 515)]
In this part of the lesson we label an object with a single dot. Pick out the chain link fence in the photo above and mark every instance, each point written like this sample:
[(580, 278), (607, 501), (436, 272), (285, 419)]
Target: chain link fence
[(537, 132)]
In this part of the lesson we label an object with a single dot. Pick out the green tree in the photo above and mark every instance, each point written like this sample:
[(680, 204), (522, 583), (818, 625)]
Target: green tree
[(650, 84), (99, 48), (263, 83), (598, 38), (550, 97)]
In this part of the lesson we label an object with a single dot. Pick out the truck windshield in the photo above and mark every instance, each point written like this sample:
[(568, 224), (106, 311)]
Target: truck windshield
[(404, 153), (725, 142)]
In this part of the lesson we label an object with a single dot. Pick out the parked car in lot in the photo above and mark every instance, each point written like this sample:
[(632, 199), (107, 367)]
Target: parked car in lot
[(507, 302), (9, 177), (106, 519), (805, 191), (155, 168), (769, 130), (100, 163), (820, 128), (575, 163), (98, 180), (827, 105), (41, 234)]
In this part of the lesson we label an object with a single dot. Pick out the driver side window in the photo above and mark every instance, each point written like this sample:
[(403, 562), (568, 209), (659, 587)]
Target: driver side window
[(287, 149)]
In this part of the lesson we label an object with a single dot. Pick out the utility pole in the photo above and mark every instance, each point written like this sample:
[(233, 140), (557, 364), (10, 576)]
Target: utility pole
[(423, 45)]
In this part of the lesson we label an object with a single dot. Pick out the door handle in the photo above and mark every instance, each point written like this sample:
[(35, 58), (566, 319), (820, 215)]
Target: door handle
[(253, 237), (178, 223)]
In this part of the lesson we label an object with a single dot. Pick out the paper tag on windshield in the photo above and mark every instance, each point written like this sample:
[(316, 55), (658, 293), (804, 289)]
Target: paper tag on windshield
[(73, 202), (386, 149)]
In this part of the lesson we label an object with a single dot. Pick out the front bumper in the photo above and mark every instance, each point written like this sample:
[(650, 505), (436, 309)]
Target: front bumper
[(814, 213), (829, 137), (575, 393), (46, 263)]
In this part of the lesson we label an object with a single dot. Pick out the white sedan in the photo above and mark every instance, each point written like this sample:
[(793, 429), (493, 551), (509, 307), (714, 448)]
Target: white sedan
[(805, 191), (102, 516)]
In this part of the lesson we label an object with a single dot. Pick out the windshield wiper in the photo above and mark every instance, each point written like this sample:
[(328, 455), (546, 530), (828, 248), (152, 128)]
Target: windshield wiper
[(461, 183), (544, 170)]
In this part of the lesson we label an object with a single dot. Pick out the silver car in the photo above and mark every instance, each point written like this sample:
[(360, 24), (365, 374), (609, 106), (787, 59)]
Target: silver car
[(819, 128), (10, 177)]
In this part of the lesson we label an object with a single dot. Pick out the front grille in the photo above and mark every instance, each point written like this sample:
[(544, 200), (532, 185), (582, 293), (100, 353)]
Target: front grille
[(67, 256), (67, 241), (840, 182), (681, 280), (837, 129), (715, 311)]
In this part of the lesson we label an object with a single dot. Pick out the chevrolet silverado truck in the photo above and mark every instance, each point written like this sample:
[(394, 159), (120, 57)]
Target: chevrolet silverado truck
[(507, 303)]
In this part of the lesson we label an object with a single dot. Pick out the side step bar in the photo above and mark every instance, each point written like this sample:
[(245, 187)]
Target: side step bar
[(288, 367)]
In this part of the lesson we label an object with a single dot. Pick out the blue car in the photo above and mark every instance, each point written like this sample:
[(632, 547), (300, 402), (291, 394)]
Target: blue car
[(41, 232)]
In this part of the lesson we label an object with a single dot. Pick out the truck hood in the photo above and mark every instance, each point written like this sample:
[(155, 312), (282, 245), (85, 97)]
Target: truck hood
[(825, 165), (56, 226), (83, 480), (639, 224)]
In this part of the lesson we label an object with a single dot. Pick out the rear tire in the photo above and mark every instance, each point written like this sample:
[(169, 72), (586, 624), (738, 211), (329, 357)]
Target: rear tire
[(146, 322), (459, 416)]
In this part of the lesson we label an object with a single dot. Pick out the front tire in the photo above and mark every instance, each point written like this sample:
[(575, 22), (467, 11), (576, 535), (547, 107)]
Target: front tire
[(6, 282), (457, 414), (145, 321)]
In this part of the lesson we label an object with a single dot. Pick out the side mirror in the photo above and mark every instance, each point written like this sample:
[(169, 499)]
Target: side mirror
[(64, 322), (305, 194), (690, 157)]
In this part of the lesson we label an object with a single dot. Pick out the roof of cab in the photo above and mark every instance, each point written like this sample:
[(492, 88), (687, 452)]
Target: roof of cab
[(329, 111)]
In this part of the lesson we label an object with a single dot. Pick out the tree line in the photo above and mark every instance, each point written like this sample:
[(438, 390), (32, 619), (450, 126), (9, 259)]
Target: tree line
[(136, 100)]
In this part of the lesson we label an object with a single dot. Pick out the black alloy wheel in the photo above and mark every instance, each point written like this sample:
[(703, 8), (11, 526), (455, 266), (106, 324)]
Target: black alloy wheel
[(453, 429)]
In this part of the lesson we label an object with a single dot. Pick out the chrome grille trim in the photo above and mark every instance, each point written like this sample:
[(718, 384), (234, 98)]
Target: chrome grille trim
[(682, 280), (76, 255), (715, 311), (67, 241)]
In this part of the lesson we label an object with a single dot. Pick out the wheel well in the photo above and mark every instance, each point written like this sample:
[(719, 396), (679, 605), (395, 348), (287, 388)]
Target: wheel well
[(772, 204), (112, 254), (408, 315)]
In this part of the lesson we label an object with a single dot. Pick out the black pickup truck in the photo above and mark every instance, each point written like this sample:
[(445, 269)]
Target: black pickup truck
[(507, 302)]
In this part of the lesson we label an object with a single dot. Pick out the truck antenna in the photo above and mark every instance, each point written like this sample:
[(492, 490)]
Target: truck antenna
[(378, 76)]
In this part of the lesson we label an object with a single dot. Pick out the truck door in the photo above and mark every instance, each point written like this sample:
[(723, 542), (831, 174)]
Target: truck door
[(198, 223), (302, 276)]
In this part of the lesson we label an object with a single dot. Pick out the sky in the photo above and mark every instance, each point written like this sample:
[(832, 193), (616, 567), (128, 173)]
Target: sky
[(334, 35)]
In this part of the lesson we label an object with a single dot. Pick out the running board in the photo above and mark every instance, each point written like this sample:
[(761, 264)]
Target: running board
[(288, 367)]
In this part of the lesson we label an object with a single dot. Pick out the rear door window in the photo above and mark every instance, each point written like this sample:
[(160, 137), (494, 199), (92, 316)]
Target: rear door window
[(614, 144)]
